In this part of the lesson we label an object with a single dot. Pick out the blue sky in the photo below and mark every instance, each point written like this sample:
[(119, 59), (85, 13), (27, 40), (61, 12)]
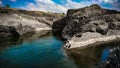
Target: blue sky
[(59, 5)]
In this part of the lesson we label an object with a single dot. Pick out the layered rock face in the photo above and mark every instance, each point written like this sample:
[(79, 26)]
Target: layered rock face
[(15, 23), (88, 22)]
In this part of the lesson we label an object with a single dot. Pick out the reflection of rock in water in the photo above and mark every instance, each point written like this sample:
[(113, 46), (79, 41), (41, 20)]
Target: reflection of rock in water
[(90, 57), (113, 60), (24, 38), (86, 58)]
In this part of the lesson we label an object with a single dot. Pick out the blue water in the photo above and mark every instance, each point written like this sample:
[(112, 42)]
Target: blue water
[(105, 54), (45, 52)]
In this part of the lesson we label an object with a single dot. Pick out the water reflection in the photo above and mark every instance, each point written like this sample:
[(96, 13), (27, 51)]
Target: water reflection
[(29, 37), (38, 51), (105, 55), (45, 52), (113, 60)]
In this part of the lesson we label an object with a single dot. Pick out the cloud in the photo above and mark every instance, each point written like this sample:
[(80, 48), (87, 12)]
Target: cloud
[(45, 5), (72, 4), (49, 5), (0, 3), (113, 4), (109, 1), (116, 5), (105, 1), (13, 0)]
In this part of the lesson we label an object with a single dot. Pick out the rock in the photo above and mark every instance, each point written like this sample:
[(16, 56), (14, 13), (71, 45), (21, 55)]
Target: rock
[(8, 31), (88, 27), (93, 57), (21, 24), (115, 32), (58, 28), (89, 35), (88, 19), (15, 22)]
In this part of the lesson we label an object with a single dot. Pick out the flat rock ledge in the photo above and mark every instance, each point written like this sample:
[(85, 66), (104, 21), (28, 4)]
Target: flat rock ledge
[(76, 42)]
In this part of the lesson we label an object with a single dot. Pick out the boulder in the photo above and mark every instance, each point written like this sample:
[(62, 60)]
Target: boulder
[(87, 19)]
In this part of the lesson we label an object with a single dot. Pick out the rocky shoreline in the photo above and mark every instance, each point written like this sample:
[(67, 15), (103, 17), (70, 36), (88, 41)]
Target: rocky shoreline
[(15, 22), (86, 32), (88, 25), (76, 42), (94, 56), (29, 37)]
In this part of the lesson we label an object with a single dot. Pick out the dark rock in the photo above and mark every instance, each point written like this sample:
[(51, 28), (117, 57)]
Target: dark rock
[(58, 28), (8, 32), (89, 24), (87, 19)]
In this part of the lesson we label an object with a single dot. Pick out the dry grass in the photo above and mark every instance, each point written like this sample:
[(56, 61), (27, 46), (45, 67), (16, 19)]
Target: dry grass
[(32, 13)]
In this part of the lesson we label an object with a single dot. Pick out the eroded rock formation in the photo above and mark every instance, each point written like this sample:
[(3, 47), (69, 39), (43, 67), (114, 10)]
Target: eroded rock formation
[(15, 22), (87, 21)]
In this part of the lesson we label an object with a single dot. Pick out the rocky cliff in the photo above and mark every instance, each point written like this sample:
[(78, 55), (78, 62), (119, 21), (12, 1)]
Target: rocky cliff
[(16, 22), (88, 23)]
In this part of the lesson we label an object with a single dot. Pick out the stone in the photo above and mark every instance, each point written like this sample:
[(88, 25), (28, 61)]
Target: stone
[(87, 19), (16, 23)]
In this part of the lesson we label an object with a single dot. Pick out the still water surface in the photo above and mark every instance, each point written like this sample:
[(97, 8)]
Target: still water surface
[(45, 52)]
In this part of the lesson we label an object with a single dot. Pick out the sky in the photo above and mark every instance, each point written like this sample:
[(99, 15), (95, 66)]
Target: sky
[(59, 6)]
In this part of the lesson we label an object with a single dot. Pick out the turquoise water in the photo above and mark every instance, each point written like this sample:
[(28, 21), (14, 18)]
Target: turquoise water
[(45, 52)]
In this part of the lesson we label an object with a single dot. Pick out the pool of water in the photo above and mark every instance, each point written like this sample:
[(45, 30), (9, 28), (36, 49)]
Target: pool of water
[(46, 52)]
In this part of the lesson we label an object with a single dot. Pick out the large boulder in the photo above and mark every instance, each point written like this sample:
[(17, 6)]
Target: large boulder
[(89, 27), (88, 19)]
